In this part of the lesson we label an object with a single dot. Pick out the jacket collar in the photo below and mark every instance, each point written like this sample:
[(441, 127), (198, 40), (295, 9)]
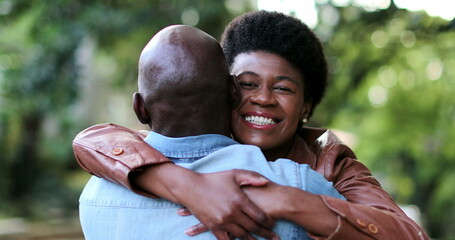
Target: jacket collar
[(320, 148)]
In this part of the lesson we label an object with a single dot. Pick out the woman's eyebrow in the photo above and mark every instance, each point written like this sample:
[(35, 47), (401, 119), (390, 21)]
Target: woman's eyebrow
[(287, 78), (247, 73)]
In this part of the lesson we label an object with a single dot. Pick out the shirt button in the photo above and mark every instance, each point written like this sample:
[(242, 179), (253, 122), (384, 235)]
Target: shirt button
[(361, 223), (373, 229), (117, 151)]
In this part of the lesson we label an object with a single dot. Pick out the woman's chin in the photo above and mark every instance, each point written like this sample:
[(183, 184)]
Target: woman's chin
[(260, 143)]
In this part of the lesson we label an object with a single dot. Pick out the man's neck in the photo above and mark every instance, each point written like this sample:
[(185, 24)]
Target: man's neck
[(182, 123)]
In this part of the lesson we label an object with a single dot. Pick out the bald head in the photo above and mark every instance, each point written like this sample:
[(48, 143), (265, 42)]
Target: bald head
[(180, 55), (183, 76)]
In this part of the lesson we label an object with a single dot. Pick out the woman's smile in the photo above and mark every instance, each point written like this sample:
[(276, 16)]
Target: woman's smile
[(260, 120)]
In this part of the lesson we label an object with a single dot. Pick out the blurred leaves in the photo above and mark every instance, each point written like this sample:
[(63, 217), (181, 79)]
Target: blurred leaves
[(392, 86), (392, 89)]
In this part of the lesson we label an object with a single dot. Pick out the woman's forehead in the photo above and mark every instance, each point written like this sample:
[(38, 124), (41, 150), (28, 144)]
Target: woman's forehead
[(263, 63)]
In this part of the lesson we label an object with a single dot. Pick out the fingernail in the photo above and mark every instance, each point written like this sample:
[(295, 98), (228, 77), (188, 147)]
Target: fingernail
[(264, 179), (183, 212), (189, 232)]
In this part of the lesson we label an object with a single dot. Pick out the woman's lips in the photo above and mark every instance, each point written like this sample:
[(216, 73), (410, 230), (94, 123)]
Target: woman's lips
[(260, 120)]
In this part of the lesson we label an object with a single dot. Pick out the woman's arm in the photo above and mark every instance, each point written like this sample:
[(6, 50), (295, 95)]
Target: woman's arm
[(120, 155), (368, 213), (295, 205), (326, 217), (225, 209), (114, 152), (369, 209)]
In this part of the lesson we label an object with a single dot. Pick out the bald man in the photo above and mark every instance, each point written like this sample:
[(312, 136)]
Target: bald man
[(185, 96)]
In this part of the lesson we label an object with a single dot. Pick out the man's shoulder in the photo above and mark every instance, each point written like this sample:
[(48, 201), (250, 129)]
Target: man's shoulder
[(236, 156), (238, 150)]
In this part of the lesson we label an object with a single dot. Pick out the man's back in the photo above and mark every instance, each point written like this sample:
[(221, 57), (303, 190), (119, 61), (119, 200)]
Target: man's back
[(109, 211)]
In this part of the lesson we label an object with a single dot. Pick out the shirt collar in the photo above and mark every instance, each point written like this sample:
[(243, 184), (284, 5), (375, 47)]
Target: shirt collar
[(192, 146)]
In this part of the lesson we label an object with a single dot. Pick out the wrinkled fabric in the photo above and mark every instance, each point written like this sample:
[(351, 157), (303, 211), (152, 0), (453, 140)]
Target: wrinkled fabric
[(368, 213), (110, 211)]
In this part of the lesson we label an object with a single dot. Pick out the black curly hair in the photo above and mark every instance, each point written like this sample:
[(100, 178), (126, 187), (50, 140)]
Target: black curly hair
[(286, 36)]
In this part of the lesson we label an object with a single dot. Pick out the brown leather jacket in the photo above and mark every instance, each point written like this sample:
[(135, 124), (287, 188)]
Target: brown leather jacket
[(112, 152)]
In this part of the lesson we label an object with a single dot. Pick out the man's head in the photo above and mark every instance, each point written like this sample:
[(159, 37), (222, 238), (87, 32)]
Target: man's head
[(184, 84)]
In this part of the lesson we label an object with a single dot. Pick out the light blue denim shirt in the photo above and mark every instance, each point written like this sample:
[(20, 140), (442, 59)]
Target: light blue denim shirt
[(110, 211)]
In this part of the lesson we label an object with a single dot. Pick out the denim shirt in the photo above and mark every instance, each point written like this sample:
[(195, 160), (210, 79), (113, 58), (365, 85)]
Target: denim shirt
[(110, 211)]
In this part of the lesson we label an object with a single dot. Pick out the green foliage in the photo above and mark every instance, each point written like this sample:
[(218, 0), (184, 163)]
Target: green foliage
[(38, 81), (392, 87)]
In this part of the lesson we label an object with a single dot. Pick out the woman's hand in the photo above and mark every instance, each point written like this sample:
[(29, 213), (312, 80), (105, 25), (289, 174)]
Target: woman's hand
[(295, 205), (269, 198), (215, 199), (273, 198), (222, 207)]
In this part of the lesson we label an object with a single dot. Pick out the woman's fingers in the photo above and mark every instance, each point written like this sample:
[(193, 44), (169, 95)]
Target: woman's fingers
[(221, 205), (196, 229), (249, 178), (255, 223), (256, 220), (184, 212), (257, 215), (235, 232)]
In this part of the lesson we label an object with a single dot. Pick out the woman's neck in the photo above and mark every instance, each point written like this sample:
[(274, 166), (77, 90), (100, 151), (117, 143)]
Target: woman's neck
[(281, 151)]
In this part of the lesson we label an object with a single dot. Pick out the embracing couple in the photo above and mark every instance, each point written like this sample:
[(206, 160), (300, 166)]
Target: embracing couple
[(228, 147)]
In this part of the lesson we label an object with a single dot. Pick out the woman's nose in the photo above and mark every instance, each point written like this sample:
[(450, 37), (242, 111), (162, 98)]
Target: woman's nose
[(263, 97)]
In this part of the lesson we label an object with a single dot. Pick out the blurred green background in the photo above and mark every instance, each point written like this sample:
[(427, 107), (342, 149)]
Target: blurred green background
[(69, 64)]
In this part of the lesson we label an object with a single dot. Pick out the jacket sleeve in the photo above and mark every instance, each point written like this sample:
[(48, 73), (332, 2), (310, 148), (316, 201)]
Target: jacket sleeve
[(369, 212), (113, 152)]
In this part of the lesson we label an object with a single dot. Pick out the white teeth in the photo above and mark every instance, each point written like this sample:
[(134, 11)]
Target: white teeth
[(259, 120)]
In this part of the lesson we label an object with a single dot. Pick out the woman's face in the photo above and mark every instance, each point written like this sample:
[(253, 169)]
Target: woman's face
[(272, 102)]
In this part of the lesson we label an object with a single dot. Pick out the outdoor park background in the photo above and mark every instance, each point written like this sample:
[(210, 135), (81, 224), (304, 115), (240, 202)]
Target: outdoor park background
[(69, 64)]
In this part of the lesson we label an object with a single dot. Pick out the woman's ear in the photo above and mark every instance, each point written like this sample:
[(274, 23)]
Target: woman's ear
[(235, 94), (306, 110), (139, 108)]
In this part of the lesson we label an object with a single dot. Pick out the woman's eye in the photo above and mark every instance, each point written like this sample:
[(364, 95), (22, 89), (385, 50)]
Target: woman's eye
[(282, 89), (247, 85)]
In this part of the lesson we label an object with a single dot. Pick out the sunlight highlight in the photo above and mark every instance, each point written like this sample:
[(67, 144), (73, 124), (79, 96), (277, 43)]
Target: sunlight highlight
[(306, 10)]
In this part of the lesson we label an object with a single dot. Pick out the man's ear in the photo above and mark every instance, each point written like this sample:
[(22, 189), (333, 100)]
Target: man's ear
[(235, 94), (139, 108)]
